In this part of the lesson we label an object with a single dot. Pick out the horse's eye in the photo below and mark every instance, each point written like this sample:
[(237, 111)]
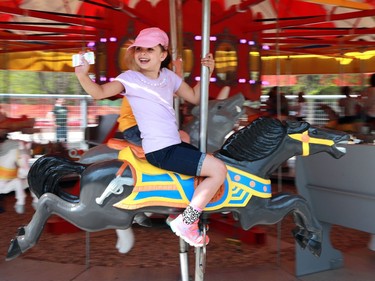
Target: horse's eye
[(314, 131), (219, 106)]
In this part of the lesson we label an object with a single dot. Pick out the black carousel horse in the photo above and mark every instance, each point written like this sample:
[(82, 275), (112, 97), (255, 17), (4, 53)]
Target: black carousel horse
[(112, 192)]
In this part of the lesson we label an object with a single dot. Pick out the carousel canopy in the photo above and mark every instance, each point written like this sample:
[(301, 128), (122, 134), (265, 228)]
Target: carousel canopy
[(341, 29)]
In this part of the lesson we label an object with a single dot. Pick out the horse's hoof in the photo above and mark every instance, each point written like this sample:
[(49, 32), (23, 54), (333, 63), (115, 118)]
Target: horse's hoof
[(236, 216), (300, 236), (125, 240), (315, 247), (20, 209), (311, 240), (21, 231), (142, 220), (315, 243), (14, 250)]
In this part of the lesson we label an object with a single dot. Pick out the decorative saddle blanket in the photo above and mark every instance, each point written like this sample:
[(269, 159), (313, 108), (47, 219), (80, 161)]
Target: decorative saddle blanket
[(158, 187)]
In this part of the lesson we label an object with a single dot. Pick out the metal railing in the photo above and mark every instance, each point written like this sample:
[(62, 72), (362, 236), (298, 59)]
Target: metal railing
[(315, 115), (83, 111)]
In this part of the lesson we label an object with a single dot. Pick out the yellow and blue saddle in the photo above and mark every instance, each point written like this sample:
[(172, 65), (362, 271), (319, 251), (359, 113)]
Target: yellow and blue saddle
[(157, 187)]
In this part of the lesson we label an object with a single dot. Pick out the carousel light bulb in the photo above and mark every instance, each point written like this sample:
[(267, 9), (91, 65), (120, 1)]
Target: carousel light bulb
[(198, 38), (91, 44)]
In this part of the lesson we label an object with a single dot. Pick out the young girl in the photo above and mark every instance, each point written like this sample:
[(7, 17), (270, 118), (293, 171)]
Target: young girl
[(150, 86)]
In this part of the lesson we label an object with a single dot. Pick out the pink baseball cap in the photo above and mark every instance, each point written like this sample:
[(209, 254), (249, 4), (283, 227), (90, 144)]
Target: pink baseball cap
[(151, 37)]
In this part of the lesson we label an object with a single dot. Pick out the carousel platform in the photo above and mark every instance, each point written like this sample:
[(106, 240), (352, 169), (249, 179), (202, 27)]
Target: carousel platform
[(359, 267), (82, 256)]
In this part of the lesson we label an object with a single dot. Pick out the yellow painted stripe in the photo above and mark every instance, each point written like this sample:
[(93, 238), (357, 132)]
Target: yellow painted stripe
[(7, 173)]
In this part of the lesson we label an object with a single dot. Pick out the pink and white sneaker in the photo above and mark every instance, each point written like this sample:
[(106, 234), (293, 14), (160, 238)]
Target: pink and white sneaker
[(189, 232)]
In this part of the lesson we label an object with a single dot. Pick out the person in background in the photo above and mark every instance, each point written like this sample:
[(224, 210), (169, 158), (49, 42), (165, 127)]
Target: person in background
[(150, 88), (349, 107), (128, 125), (301, 108), (367, 101), (275, 97), (60, 114)]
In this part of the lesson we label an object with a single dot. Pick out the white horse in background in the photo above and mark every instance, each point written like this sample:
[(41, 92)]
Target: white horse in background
[(14, 167)]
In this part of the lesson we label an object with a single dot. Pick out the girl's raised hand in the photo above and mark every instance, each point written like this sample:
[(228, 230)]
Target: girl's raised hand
[(82, 69), (209, 61)]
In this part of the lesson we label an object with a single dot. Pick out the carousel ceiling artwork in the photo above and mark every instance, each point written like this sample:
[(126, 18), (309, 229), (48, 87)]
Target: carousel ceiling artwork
[(343, 29)]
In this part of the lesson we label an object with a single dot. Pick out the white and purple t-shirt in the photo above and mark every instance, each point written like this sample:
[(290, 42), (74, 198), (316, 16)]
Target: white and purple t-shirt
[(152, 104)]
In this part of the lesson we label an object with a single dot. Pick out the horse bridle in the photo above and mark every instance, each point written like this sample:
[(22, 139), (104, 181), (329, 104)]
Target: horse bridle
[(306, 140)]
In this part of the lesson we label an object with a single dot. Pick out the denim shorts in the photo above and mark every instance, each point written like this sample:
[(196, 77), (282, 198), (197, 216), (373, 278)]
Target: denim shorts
[(181, 158), (133, 135)]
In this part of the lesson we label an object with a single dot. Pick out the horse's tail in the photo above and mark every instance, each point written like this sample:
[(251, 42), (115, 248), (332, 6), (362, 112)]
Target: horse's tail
[(45, 173)]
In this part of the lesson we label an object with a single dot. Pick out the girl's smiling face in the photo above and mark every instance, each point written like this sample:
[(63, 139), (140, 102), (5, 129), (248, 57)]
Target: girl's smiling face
[(149, 58)]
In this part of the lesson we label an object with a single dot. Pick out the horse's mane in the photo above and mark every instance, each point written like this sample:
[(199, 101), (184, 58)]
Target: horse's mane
[(255, 141)]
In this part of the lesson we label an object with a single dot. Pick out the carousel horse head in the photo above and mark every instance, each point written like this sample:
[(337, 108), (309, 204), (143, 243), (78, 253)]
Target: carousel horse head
[(268, 142), (14, 168), (221, 117), (14, 159)]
